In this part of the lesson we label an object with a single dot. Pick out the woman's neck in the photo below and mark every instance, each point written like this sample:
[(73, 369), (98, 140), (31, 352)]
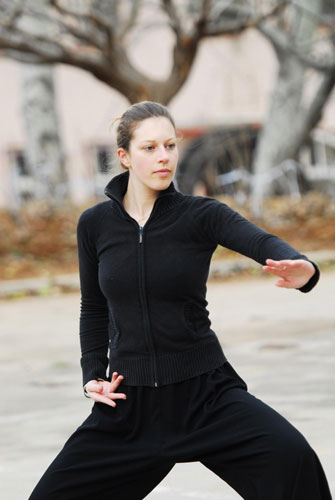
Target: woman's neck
[(139, 200)]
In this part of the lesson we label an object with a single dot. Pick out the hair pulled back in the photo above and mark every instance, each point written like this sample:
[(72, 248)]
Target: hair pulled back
[(135, 114)]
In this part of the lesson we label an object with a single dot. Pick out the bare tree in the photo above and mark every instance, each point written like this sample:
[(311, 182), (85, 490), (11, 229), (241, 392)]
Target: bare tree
[(305, 56), (94, 35)]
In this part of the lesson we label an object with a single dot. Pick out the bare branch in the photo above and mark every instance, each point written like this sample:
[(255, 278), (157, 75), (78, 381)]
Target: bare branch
[(87, 17), (38, 45), (130, 23), (105, 55), (68, 12), (97, 28), (170, 10), (284, 44), (25, 57), (10, 12), (244, 18), (83, 35), (311, 14), (203, 19), (321, 96)]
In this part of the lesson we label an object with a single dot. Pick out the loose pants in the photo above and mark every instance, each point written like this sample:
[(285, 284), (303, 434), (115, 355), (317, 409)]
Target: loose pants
[(123, 452)]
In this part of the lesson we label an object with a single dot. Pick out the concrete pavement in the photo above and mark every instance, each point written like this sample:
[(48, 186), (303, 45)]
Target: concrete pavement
[(280, 341), (220, 268)]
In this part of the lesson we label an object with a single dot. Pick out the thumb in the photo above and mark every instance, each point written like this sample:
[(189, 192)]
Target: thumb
[(94, 386)]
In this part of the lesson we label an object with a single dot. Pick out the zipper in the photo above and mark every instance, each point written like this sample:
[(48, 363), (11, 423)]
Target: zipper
[(147, 332)]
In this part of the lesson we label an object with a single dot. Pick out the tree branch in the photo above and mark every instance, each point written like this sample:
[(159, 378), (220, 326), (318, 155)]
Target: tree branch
[(87, 18), (109, 62), (10, 15), (170, 10), (203, 19), (283, 44), (83, 35), (222, 26), (36, 45), (128, 25), (95, 35), (314, 111)]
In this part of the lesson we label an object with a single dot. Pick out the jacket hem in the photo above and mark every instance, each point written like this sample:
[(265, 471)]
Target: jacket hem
[(172, 367)]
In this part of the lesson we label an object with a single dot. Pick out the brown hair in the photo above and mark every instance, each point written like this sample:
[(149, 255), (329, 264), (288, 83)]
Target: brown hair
[(135, 114)]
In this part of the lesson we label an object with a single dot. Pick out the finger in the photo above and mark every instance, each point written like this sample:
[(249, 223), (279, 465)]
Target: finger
[(278, 272), (117, 395), (94, 387), (295, 264), (102, 399), (280, 264), (274, 262), (284, 284), (114, 377), (108, 385), (115, 385)]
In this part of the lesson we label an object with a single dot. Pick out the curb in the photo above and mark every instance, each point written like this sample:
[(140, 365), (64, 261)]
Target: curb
[(224, 268), (63, 283)]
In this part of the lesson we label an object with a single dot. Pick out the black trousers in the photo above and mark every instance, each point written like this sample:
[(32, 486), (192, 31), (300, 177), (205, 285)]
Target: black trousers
[(122, 453)]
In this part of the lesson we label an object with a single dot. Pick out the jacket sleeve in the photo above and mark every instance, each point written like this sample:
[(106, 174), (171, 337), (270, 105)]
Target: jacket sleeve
[(94, 318), (230, 229)]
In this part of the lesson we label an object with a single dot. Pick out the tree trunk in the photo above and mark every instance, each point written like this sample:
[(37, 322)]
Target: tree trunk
[(43, 144), (281, 136), (43, 148)]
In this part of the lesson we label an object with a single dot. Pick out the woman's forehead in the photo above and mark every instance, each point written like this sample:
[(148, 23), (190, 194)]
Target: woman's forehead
[(153, 129)]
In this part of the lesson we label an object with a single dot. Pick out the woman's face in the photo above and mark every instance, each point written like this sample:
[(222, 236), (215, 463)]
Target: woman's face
[(153, 154)]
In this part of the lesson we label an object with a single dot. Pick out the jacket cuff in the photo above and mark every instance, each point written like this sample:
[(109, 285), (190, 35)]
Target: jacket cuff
[(312, 281), (94, 367)]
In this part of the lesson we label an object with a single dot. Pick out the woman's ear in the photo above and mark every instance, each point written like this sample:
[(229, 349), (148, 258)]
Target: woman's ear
[(124, 157)]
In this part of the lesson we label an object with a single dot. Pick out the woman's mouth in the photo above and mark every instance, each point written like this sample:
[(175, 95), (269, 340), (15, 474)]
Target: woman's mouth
[(163, 172)]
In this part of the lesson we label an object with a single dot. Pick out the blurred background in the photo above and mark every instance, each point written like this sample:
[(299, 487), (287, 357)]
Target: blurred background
[(250, 84)]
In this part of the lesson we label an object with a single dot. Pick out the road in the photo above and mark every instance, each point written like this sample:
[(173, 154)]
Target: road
[(280, 341)]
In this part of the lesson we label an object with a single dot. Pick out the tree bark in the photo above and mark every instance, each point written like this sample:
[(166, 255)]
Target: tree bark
[(44, 151), (289, 119), (43, 145)]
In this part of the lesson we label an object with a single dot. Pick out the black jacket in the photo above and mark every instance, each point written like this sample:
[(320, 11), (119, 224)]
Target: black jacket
[(143, 289)]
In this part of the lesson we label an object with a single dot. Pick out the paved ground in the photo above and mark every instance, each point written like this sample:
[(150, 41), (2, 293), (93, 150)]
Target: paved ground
[(280, 341)]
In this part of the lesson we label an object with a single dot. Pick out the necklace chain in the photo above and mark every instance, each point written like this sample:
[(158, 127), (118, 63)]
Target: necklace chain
[(139, 220)]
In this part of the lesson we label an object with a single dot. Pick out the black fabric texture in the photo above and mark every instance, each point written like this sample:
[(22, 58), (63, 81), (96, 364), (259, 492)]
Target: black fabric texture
[(143, 289), (122, 453)]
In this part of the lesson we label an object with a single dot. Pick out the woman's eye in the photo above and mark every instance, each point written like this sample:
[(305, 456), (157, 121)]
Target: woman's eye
[(151, 148)]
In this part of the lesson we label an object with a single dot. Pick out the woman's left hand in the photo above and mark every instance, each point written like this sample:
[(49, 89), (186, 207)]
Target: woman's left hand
[(293, 273)]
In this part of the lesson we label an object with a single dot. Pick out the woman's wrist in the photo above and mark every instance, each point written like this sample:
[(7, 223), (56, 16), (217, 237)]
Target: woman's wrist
[(307, 287)]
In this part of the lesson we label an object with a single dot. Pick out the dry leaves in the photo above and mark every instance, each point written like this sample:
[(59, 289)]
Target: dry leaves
[(40, 241)]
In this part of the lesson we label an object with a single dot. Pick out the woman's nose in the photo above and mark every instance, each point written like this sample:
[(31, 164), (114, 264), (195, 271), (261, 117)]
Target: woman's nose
[(163, 154)]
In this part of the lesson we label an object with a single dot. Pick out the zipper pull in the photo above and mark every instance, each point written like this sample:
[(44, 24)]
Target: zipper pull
[(141, 234)]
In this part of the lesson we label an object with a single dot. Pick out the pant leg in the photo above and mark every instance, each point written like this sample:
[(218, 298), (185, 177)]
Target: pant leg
[(267, 458), (112, 455), (215, 420), (262, 455)]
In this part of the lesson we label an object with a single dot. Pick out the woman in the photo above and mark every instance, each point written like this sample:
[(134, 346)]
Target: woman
[(144, 257)]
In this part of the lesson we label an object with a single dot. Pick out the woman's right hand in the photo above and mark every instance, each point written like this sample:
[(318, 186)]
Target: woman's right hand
[(103, 391)]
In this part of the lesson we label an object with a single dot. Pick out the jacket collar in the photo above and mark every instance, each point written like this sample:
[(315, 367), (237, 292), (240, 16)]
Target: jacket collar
[(117, 187)]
